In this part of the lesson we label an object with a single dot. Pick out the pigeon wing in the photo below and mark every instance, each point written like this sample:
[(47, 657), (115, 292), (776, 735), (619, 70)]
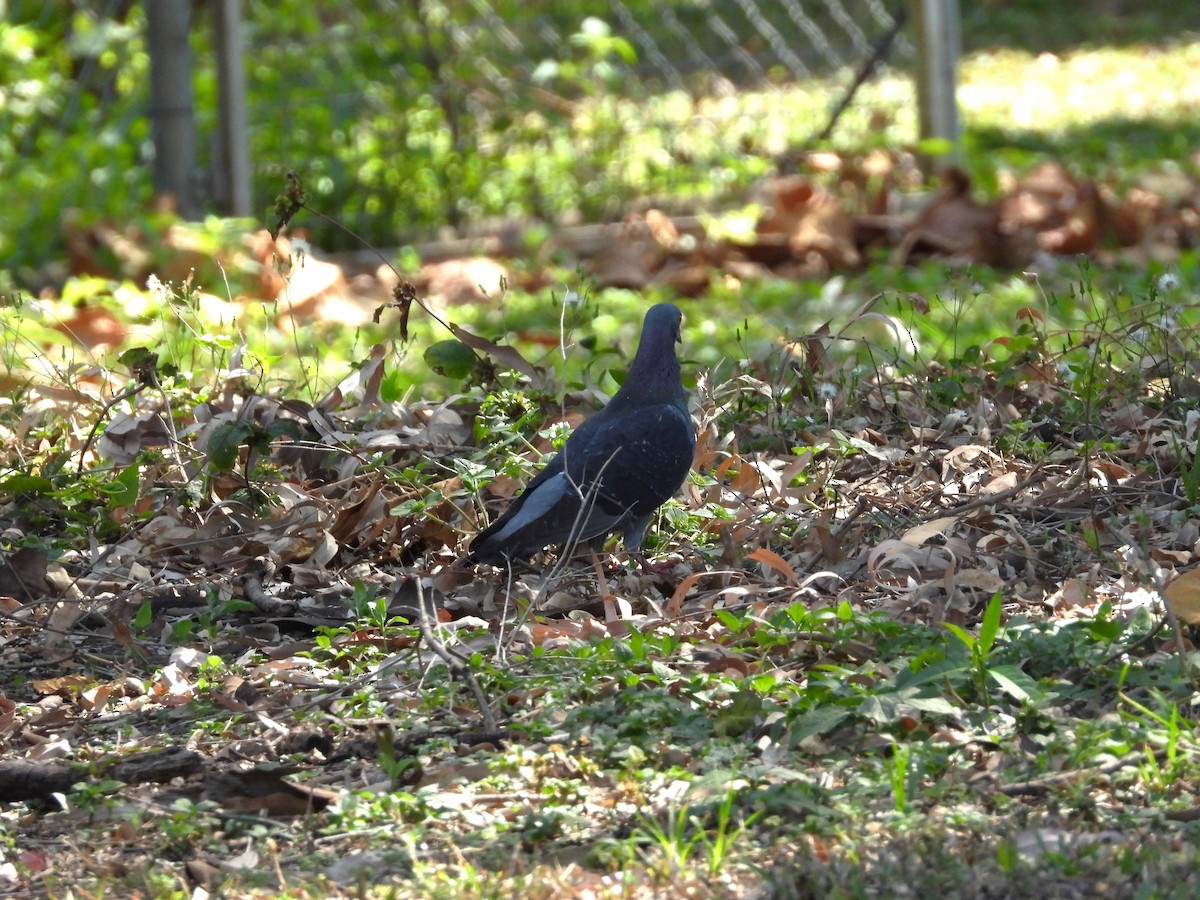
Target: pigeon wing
[(611, 475)]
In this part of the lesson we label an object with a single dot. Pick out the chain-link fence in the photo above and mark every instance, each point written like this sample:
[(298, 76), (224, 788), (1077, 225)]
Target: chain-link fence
[(405, 116)]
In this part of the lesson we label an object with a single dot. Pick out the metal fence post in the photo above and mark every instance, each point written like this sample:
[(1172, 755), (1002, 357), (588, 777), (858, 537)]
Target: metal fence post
[(937, 31), (231, 164), (171, 106)]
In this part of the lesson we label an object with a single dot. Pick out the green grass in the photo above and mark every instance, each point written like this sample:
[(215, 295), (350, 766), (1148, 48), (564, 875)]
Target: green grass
[(692, 806), (807, 738)]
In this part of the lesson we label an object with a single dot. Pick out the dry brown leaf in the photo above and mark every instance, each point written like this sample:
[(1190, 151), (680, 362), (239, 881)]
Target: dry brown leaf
[(955, 225), (726, 664), (1183, 596), (63, 686), (969, 457), (474, 279), (539, 633), (919, 534), (94, 327), (366, 378), (687, 276), (95, 699), (831, 548), (257, 790), (629, 262), (747, 480), (23, 574), (1068, 214), (1000, 483), (675, 604), (502, 354), (773, 560), (1170, 557), (128, 435), (980, 579), (896, 552), (815, 228), (662, 229), (1071, 595)]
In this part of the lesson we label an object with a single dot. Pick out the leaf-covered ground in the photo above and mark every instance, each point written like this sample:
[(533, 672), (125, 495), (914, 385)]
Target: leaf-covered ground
[(901, 634)]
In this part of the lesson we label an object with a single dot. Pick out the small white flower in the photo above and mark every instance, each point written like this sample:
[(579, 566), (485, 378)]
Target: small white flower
[(1139, 335), (826, 390), (1168, 281), (572, 298), (160, 291)]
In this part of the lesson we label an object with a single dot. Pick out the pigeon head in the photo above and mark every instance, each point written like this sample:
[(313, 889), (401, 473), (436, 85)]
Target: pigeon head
[(654, 374)]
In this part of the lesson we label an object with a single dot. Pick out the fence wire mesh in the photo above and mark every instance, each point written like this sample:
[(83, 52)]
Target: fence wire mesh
[(404, 116)]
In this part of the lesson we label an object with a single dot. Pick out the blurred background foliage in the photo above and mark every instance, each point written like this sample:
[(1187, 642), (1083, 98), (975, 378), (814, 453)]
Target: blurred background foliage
[(409, 119)]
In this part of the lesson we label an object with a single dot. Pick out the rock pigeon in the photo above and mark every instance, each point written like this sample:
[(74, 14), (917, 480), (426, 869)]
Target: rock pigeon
[(615, 469)]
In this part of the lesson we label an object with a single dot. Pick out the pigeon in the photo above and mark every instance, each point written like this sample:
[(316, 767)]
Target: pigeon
[(615, 469)]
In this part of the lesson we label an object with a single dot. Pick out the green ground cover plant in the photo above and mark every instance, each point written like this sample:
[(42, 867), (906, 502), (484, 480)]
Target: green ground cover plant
[(864, 678), (905, 634)]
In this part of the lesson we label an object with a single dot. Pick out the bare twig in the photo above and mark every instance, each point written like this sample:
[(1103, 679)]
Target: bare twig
[(883, 47), (459, 667), (264, 602), (100, 419), (1035, 477), (1038, 786)]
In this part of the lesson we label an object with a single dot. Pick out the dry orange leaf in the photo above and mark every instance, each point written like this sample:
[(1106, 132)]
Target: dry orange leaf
[(93, 326), (95, 699), (662, 229), (1183, 597), (64, 686), (775, 561), (675, 604)]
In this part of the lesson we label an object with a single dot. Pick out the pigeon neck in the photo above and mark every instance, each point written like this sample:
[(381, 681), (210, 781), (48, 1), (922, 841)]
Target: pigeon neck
[(654, 373)]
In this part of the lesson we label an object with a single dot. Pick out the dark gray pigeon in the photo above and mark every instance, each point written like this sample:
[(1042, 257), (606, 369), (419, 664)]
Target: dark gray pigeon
[(615, 469)]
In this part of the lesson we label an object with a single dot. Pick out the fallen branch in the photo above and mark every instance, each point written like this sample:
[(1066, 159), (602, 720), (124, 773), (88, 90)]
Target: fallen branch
[(1039, 786), (25, 780)]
